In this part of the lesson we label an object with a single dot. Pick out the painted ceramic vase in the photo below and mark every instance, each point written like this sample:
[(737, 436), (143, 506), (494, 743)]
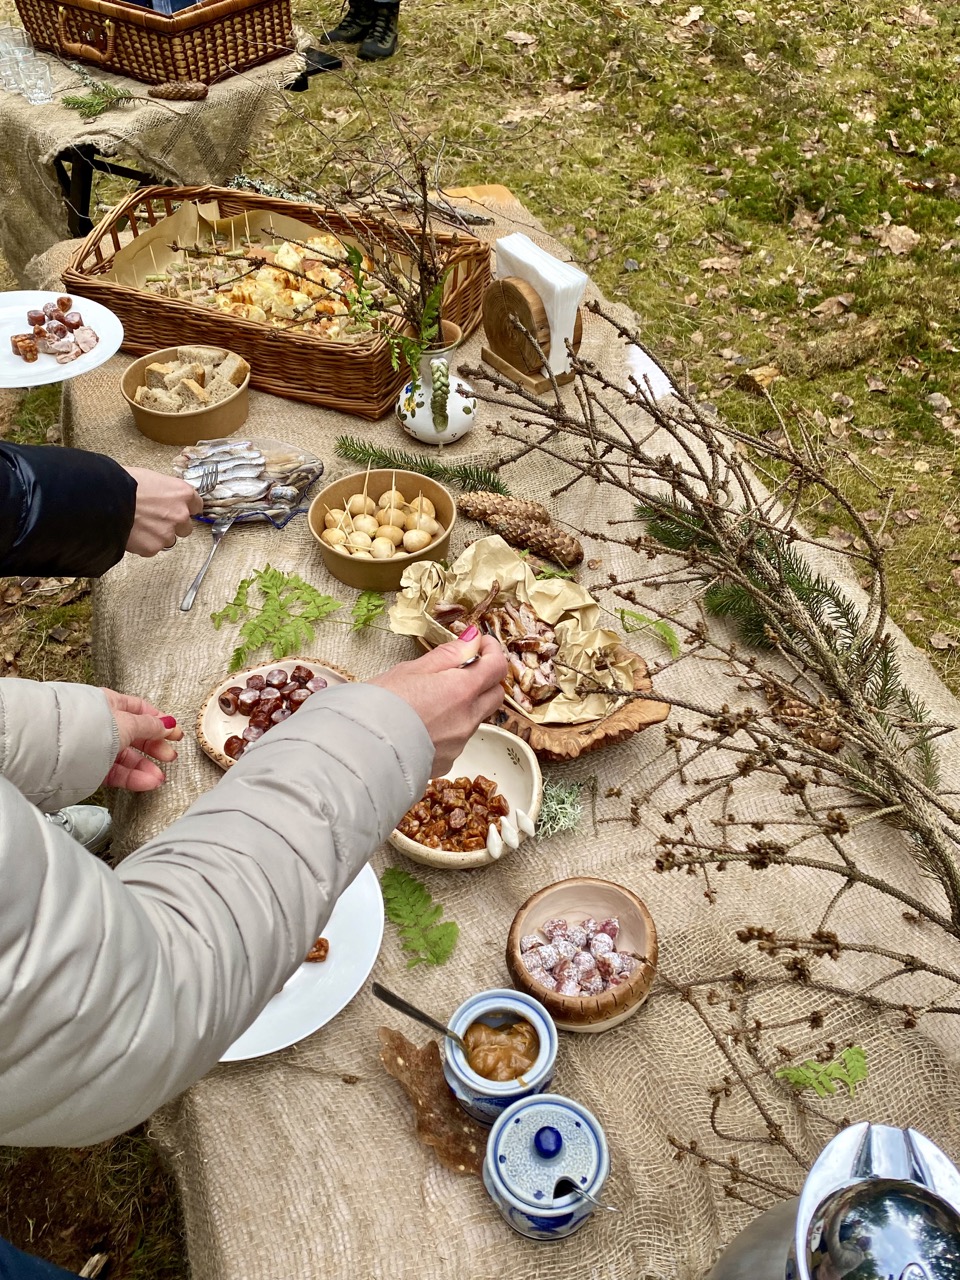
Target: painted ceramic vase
[(540, 1153), (486, 1099), (438, 407)]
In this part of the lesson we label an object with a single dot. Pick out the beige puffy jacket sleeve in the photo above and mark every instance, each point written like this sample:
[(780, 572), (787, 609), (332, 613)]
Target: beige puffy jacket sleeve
[(120, 988)]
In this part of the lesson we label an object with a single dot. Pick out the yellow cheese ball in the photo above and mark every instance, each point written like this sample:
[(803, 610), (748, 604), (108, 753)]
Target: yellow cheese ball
[(333, 537), (413, 520), (423, 506), (358, 541), (392, 498), (416, 540), (358, 505), (362, 555), (382, 548), (336, 519), (367, 525), (392, 532), (391, 515)]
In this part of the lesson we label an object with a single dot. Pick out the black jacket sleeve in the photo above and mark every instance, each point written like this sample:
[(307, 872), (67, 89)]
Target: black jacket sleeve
[(63, 512)]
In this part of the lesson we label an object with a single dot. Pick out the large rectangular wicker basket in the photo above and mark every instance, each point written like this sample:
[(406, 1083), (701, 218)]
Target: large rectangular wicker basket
[(355, 378), (207, 42)]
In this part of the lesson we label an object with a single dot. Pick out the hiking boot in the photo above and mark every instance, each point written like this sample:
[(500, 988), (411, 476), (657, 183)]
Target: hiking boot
[(353, 26), (381, 41), (90, 824)]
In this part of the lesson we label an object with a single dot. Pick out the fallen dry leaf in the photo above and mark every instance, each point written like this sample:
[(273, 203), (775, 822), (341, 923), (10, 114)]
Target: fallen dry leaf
[(744, 16), (693, 14), (727, 262), (897, 238), (915, 15), (939, 403), (756, 381), (921, 465), (519, 37), (459, 1141), (875, 384), (835, 306), (939, 641)]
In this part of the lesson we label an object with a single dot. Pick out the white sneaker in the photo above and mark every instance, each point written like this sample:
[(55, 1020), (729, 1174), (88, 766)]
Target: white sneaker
[(90, 824)]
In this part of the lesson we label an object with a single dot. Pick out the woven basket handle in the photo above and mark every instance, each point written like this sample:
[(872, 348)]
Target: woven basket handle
[(86, 52)]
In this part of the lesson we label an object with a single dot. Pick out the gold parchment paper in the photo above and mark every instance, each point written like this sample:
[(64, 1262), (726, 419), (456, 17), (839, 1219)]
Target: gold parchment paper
[(586, 648)]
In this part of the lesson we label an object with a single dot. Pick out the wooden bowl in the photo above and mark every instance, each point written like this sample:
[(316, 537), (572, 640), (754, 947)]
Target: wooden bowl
[(560, 742), (574, 900), (509, 763), (214, 726), (213, 423), (381, 575)]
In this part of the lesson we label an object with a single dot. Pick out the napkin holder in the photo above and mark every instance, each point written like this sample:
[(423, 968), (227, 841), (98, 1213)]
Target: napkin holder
[(507, 348)]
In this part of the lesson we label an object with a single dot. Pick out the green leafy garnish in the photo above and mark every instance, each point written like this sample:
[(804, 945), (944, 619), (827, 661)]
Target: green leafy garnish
[(367, 607), (543, 571), (285, 621), (409, 906), (630, 620), (850, 1069)]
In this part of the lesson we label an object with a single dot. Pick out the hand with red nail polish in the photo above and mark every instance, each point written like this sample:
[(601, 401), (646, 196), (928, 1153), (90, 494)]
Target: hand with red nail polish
[(145, 738), (451, 698)]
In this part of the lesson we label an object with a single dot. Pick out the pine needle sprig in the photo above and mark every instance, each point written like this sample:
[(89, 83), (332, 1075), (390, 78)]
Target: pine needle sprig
[(463, 475), (100, 99), (408, 905), (285, 619)]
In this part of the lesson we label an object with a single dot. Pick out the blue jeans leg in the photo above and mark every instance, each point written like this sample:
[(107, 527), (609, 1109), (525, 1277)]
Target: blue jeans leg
[(16, 1265)]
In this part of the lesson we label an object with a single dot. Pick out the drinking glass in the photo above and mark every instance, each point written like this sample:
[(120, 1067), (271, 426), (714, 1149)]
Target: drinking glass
[(10, 73), (36, 82)]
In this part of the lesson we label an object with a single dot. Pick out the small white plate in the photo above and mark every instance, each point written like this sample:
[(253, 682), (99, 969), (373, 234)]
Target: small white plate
[(14, 306), (214, 726), (317, 992)]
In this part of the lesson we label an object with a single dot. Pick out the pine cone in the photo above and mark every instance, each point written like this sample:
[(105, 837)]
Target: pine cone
[(544, 539), (179, 91), (480, 505)]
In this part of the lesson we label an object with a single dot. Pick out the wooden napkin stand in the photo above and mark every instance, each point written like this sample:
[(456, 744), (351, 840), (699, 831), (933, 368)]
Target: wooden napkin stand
[(510, 351)]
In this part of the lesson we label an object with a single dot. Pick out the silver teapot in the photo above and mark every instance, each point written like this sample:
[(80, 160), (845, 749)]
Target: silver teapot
[(878, 1204)]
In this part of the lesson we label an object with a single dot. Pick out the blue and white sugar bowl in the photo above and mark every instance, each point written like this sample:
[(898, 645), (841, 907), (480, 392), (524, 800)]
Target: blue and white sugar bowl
[(541, 1154), (482, 1098)]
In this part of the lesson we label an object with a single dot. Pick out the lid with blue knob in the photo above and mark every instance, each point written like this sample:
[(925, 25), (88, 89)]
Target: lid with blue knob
[(544, 1147)]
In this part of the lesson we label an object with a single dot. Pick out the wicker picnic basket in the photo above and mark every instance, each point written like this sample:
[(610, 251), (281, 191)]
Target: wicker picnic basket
[(355, 378), (207, 42)]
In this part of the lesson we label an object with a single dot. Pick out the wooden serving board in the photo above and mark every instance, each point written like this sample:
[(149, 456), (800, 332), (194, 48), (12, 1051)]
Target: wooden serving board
[(560, 742)]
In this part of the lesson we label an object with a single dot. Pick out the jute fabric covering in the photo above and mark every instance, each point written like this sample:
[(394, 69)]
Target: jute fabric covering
[(304, 1164), (180, 142)]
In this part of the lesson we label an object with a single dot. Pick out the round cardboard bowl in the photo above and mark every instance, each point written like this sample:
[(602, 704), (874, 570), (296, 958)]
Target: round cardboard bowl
[(219, 420), (509, 763), (381, 575), (574, 900)]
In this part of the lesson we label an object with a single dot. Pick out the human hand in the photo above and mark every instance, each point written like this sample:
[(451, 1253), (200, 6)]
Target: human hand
[(451, 699), (164, 507), (143, 732)]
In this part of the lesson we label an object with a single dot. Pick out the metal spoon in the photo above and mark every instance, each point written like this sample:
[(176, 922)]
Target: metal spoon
[(566, 1187), (404, 1006)]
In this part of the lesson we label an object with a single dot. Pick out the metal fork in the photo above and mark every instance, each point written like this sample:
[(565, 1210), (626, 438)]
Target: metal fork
[(218, 529), (209, 473)]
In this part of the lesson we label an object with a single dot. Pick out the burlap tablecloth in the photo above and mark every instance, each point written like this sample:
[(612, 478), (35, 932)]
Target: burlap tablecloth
[(186, 143), (304, 1164)]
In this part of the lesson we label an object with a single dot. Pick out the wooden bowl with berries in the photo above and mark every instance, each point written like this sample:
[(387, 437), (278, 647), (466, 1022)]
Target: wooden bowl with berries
[(586, 949), (485, 806)]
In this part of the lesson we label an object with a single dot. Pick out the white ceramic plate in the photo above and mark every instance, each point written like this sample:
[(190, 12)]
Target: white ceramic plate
[(214, 727), (14, 306), (317, 992)]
